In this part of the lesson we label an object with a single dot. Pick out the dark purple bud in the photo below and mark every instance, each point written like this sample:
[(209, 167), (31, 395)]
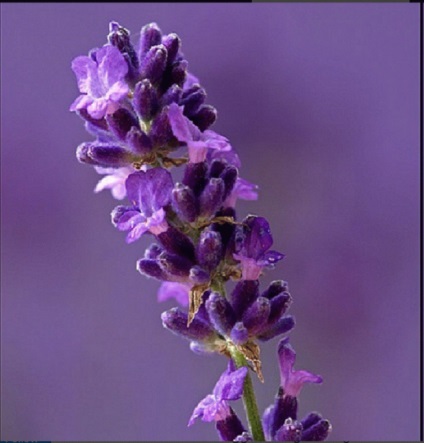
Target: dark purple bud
[(184, 202), (178, 73), (193, 101), (317, 432), (161, 132), (172, 44), (279, 306), (275, 288), (290, 431), (99, 123), (205, 117), (229, 176), (243, 295), (175, 242), (282, 326), (239, 334), (311, 419), (174, 264), (256, 316), (209, 250), (119, 211), (225, 229), (151, 268), (153, 251), (195, 176), (230, 428), (211, 198), (120, 37), (172, 95), (176, 321), (285, 407), (145, 100), (198, 275), (138, 141), (121, 121), (154, 63), (217, 167), (221, 313), (150, 35), (103, 154)]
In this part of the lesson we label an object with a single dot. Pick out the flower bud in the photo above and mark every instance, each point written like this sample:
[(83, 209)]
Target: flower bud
[(243, 295), (239, 334), (174, 264), (230, 428), (151, 268), (282, 326), (138, 141), (161, 132), (290, 431), (172, 95), (212, 197), (229, 176), (285, 406), (121, 121), (276, 287), (279, 306), (204, 117), (193, 99), (184, 202), (150, 35), (145, 99), (195, 176), (221, 313), (175, 242), (317, 432), (103, 154), (209, 249), (256, 316), (172, 44), (154, 63)]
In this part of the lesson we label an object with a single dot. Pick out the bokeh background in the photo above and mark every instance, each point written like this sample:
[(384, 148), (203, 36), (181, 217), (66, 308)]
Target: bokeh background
[(322, 103)]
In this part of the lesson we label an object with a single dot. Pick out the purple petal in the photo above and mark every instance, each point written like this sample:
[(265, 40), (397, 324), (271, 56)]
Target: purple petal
[(129, 220), (85, 69), (99, 107), (270, 258), (162, 184), (112, 66), (216, 141), (245, 189), (114, 180), (117, 91), (81, 102), (292, 381), (210, 409), (230, 157), (258, 237), (230, 384), (267, 419), (182, 128), (179, 291)]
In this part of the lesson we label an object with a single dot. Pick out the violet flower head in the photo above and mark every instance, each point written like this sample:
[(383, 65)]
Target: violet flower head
[(149, 193), (292, 381), (197, 142), (215, 406), (253, 241), (101, 81)]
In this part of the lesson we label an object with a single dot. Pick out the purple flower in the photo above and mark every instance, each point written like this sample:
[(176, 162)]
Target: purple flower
[(197, 142), (253, 241), (101, 81), (292, 381), (179, 291), (114, 180), (149, 193), (215, 407), (244, 190)]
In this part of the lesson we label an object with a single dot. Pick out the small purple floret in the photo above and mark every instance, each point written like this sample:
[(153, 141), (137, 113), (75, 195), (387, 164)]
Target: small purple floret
[(101, 81), (292, 381), (215, 407), (197, 142)]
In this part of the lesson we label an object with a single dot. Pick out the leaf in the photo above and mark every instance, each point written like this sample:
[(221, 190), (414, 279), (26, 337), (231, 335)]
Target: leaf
[(251, 352), (195, 300)]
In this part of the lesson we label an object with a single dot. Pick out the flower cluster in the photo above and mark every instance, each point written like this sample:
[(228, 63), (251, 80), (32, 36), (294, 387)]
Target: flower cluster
[(147, 114)]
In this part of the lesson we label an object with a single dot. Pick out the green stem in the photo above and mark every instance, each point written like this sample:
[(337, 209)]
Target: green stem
[(249, 399)]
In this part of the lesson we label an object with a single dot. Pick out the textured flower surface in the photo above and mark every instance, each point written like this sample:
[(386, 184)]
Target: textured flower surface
[(215, 407), (114, 180), (101, 81)]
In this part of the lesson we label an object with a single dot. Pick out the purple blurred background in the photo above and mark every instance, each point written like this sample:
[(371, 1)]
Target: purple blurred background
[(322, 103)]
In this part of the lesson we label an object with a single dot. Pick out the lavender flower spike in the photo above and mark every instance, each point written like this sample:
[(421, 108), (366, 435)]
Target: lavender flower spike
[(101, 81), (215, 407), (149, 192), (292, 381), (197, 142)]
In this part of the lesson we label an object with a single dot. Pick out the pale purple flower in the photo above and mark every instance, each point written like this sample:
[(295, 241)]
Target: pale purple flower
[(197, 142), (292, 381), (114, 179), (253, 241), (215, 406), (149, 193), (179, 291), (101, 81)]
